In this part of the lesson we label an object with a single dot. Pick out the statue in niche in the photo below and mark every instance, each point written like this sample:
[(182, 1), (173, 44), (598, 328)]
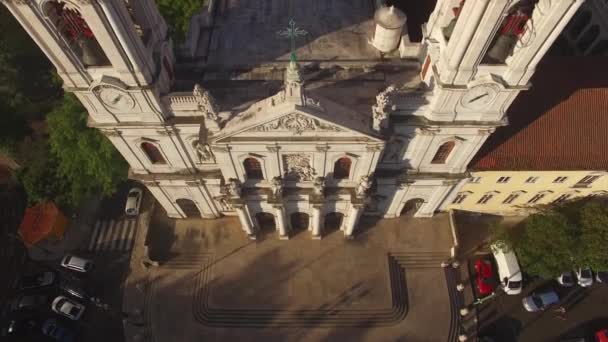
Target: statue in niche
[(364, 185), (206, 102), (392, 150), (233, 189), (203, 152), (277, 187), (318, 186)]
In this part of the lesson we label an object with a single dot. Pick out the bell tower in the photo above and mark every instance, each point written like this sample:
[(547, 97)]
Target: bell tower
[(114, 55), (482, 53)]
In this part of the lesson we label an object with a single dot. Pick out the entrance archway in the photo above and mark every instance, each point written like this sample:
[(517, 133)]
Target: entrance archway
[(189, 208), (411, 207), (299, 222), (332, 223), (265, 221)]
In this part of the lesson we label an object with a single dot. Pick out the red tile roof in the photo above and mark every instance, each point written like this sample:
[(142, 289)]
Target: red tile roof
[(561, 123)]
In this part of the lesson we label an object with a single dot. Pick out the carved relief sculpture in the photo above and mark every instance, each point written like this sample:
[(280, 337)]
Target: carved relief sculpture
[(206, 102), (296, 123), (364, 185), (277, 187), (297, 167), (233, 188), (318, 186), (383, 107), (203, 152)]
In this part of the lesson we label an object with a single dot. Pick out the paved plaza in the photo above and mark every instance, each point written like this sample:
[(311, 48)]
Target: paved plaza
[(215, 284)]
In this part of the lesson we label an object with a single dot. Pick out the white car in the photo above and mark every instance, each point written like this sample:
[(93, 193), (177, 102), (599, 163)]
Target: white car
[(585, 277), (76, 263), (566, 279), (68, 308), (133, 202)]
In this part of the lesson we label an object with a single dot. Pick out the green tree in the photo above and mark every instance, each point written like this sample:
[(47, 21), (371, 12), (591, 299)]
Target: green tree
[(39, 174), (594, 238), (86, 160), (178, 13)]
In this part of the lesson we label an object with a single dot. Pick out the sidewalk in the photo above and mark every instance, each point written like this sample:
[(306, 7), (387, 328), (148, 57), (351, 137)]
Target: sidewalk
[(78, 230)]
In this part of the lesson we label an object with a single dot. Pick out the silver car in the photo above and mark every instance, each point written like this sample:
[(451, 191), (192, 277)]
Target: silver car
[(133, 202), (540, 301), (68, 308), (76, 263), (585, 276)]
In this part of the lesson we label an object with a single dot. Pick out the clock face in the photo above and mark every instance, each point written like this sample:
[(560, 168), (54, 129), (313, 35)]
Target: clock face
[(116, 98), (479, 97)]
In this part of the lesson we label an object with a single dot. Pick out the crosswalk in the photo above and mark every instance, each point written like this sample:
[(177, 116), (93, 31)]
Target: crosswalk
[(112, 236)]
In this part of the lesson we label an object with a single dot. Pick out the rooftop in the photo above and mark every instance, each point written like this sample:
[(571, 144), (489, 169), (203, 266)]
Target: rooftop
[(560, 124)]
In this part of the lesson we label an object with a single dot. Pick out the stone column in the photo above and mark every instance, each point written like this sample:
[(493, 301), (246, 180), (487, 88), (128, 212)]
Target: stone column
[(354, 214), (428, 209), (163, 199), (279, 214), (241, 211), (274, 169), (316, 222)]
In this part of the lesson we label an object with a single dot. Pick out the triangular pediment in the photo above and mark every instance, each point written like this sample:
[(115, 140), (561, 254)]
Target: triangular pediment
[(296, 123)]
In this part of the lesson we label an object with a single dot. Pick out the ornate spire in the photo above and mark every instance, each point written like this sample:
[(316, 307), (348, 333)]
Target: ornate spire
[(293, 77)]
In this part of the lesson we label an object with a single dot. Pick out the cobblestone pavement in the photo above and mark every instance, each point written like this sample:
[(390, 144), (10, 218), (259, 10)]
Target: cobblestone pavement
[(215, 284)]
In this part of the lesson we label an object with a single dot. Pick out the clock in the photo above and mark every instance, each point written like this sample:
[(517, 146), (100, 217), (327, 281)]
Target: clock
[(115, 98), (479, 97)]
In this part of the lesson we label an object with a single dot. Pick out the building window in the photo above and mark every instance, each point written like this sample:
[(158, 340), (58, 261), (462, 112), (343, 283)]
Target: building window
[(460, 197), (474, 179), (510, 198), (342, 168), (588, 180), (485, 198), (443, 152), (562, 198), (536, 198), (532, 179), (253, 169), (503, 179), (560, 179), (153, 153)]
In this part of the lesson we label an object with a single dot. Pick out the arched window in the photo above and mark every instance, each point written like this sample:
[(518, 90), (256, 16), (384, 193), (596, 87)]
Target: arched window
[(443, 152), (76, 33), (153, 153), (342, 168), (588, 38), (253, 168)]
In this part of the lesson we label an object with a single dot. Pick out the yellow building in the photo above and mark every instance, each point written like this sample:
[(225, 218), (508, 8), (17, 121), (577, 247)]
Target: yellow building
[(555, 147)]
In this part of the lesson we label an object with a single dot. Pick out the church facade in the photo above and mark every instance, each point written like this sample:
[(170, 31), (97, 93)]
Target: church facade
[(366, 121)]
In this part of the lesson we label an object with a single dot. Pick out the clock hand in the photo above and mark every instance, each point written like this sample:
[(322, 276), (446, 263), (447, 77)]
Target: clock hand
[(478, 97)]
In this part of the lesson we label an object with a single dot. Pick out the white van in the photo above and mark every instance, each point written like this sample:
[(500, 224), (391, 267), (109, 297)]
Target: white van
[(509, 273)]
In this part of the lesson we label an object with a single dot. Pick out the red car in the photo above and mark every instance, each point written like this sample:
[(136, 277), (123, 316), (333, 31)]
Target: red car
[(602, 335), (485, 276)]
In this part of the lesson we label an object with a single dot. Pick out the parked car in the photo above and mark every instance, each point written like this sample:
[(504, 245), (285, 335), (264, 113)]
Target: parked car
[(133, 202), (74, 288), (566, 279), (29, 302), (602, 335), (18, 327), (57, 331), (601, 276), (34, 281), (585, 276), (540, 301), (485, 276), (68, 308), (508, 268), (76, 263)]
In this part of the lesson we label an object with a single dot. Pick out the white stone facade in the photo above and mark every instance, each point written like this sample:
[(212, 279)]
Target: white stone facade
[(304, 150)]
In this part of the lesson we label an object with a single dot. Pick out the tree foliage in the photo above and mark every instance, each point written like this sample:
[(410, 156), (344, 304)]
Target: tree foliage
[(178, 13), (563, 238), (87, 161)]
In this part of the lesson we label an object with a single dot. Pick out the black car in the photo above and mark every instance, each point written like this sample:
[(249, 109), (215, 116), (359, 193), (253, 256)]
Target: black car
[(74, 288), (34, 281), (18, 327), (29, 302)]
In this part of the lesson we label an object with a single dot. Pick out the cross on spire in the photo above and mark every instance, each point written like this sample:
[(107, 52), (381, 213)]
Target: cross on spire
[(292, 32)]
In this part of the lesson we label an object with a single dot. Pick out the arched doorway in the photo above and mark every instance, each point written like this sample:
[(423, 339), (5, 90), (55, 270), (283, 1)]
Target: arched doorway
[(332, 223), (411, 207), (299, 222), (265, 221), (188, 208)]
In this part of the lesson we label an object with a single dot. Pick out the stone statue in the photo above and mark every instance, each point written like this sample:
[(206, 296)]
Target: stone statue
[(364, 185), (203, 151), (233, 188), (277, 187), (206, 102), (318, 186), (383, 107)]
